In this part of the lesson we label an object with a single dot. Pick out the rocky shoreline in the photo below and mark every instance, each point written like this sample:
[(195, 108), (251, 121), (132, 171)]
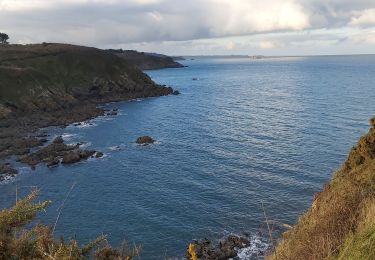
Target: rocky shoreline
[(46, 85), (19, 133), (226, 248)]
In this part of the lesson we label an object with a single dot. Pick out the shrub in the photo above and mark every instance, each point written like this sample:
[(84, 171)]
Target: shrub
[(17, 242)]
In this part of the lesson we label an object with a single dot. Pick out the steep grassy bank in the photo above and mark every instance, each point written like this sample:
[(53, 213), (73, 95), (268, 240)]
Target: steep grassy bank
[(341, 221)]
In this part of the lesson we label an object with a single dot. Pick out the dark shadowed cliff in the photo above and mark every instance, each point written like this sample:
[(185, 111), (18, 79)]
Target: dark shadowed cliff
[(147, 61)]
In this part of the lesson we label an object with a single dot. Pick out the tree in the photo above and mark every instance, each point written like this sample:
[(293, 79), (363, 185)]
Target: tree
[(4, 38)]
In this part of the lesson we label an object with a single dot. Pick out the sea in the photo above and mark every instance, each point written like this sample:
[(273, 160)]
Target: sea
[(242, 150)]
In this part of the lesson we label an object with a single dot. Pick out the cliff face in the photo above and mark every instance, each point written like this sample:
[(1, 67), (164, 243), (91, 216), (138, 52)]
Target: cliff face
[(52, 76), (147, 61), (341, 221)]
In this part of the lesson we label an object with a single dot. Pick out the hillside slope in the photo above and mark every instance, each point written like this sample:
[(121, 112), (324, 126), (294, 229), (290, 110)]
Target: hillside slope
[(57, 84), (147, 61), (48, 76), (341, 221)]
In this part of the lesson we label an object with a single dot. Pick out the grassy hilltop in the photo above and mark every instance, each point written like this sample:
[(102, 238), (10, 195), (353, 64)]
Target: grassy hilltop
[(341, 221), (147, 61), (48, 76)]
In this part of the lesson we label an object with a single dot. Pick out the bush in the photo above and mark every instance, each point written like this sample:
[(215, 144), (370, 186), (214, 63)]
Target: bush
[(4, 38), (17, 242)]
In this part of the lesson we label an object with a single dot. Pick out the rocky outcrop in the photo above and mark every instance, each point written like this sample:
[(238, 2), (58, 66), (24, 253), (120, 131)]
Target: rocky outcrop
[(99, 155), (77, 155), (18, 146), (226, 248), (145, 140), (6, 170), (55, 152)]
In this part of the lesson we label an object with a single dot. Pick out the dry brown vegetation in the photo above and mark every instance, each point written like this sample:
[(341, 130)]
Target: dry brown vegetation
[(18, 242), (341, 221)]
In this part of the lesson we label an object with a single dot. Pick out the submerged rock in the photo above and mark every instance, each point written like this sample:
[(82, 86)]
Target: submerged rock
[(176, 92), (145, 140)]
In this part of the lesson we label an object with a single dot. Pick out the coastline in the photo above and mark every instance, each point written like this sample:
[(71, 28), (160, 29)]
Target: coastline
[(46, 85), (22, 131)]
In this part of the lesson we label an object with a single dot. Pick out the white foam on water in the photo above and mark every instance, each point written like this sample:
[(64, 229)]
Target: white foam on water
[(115, 148), (255, 250), (68, 137), (136, 100), (10, 178), (85, 144), (7, 179), (85, 125)]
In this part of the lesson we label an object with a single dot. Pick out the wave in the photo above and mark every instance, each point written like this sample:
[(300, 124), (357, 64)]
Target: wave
[(257, 248)]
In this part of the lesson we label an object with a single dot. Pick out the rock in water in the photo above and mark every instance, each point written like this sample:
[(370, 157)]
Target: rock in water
[(226, 249), (71, 157), (6, 170), (145, 140), (99, 155), (77, 155), (176, 92), (53, 162)]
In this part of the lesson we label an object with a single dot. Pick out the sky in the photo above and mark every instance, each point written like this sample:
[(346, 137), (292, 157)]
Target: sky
[(197, 27)]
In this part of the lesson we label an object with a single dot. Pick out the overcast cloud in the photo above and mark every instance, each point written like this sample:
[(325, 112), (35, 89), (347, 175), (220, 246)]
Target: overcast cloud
[(277, 27)]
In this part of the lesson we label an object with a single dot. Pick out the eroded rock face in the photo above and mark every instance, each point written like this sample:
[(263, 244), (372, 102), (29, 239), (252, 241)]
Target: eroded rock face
[(226, 249), (145, 140)]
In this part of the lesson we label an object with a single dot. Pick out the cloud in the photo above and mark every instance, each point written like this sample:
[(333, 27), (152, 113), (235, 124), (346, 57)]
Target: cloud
[(267, 45), (367, 37), (364, 18), (111, 23)]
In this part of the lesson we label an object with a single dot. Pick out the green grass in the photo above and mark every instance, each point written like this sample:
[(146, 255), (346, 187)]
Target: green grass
[(30, 71)]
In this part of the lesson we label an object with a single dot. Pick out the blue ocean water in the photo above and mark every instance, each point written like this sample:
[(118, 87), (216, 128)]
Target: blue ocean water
[(246, 137)]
